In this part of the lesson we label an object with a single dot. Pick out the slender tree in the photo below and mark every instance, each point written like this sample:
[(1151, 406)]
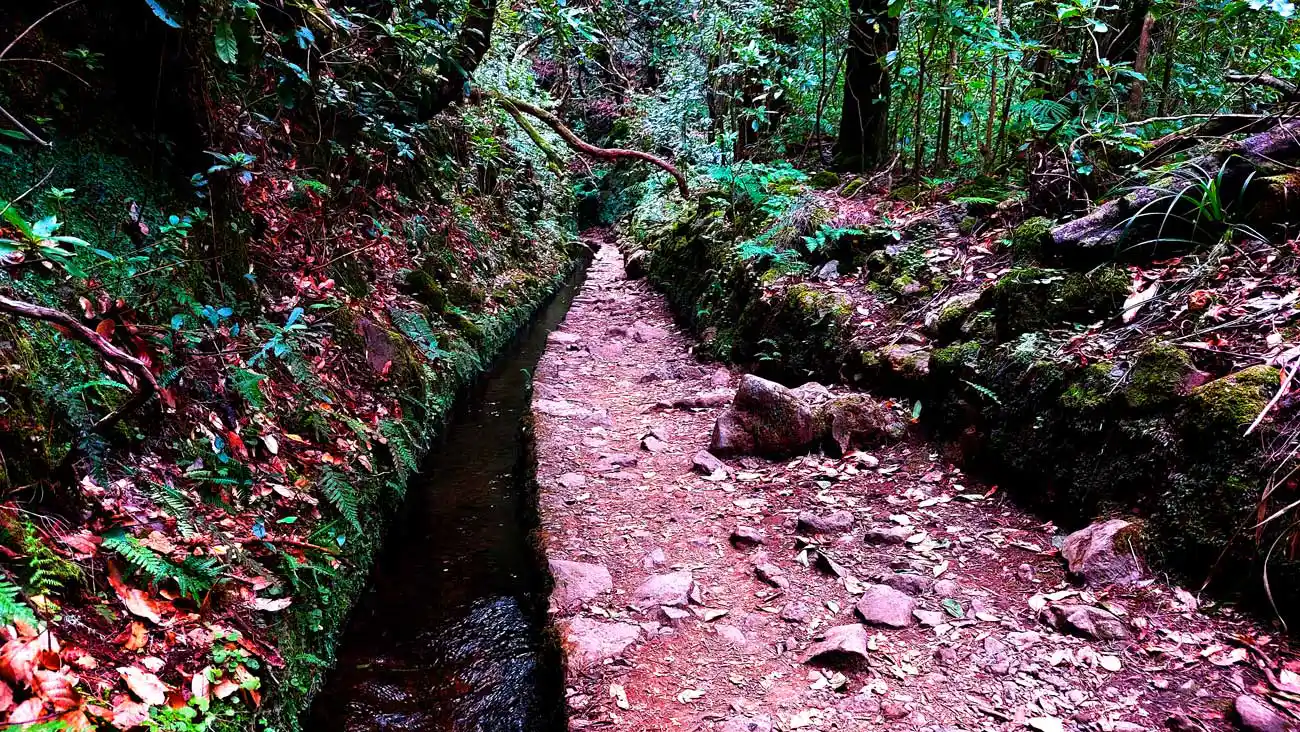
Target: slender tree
[(864, 121)]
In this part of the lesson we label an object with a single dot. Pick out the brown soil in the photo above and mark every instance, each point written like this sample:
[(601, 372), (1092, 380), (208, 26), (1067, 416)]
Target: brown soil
[(734, 663)]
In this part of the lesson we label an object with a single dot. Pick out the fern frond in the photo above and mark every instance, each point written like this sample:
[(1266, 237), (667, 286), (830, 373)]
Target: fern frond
[(399, 445), (341, 495), (174, 503), (249, 385), (193, 577), (12, 606)]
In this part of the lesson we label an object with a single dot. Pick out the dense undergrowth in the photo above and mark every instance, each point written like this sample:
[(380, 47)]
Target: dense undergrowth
[(255, 204)]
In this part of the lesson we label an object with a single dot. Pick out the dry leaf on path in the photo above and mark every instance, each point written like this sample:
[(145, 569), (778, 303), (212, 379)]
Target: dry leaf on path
[(137, 601), (149, 688)]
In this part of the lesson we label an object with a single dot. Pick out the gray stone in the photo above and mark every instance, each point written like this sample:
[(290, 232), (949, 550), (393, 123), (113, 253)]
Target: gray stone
[(907, 360), (1101, 555), (1085, 621), (797, 611), (730, 633), (929, 618), (743, 536), (706, 463), (654, 558), (772, 574), (834, 522), (577, 583), (828, 271), (674, 615), (571, 480), (883, 605), (913, 584), (672, 589), (588, 642), (841, 639), (1256, 716), (859, 420), (765, 418), (887, 535), (740, 723), (945, 588)]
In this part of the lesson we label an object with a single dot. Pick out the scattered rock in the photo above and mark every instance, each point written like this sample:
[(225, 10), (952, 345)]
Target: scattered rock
[(730, 633), (654, 558), (706, 463), (577, 583), (1256, 716), (912, 584), (765, 418), (761, 723), (772, 574), (945, 656), (835, 522), (812, 393), (906, 360), (1084, 620), (1102, 554), (643, 332), (589, 642), (857, 419), (743, 536), (797, 611), (828, 271), (672, 589), (929, 618), (571, 480), (888, 535), (883, 605), (945, 588), (674, 615), (841, 639), (721, 378), (560, 336)]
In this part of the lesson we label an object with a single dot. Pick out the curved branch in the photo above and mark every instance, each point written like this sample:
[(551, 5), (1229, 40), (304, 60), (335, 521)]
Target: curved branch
[(146, 385), (1289, 90), (586, 148), (532, 133)]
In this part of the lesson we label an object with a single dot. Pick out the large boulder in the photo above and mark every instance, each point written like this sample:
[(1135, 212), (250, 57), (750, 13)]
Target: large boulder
[(768, 419), (1103, 554), (765, 418)]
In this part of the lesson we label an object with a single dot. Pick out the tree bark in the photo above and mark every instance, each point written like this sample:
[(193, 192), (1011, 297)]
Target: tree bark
[(864, 122), (1290, 91), (1136, 89), (472, 44)]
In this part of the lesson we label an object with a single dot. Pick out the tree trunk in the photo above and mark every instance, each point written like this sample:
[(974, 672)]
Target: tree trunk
[(945, 108), (864, 123), (1135, 90)]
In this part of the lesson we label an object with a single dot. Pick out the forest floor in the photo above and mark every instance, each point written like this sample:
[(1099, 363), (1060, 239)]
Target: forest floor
[(719, 590)]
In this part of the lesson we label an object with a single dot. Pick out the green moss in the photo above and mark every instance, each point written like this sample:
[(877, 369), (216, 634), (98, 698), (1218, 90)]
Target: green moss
[(1033, 298), (967, 224), (1233, 401), (1028, 239), (1157, 376), (955, 357), (824, 179), (1092, 388), (852, 187), (425, 289)]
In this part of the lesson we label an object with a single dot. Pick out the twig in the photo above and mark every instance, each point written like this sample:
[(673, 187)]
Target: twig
[(1286, 383), (39, 20), (35, 137), (147, 385)]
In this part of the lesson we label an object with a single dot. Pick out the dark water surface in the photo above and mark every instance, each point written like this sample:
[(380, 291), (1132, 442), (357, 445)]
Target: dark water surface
[(450, 634)]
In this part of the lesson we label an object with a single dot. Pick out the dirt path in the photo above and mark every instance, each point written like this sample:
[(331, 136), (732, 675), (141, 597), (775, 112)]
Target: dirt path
[(697, 627)]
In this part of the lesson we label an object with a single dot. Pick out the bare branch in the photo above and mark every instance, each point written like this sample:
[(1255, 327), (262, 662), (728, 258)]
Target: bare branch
[(586, 148), (1289, 90), (147, 385)]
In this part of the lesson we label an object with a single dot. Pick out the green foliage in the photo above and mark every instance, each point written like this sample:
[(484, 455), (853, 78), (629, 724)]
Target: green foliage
[(12, 606), (340, 493), (399, 446), (193, 577)]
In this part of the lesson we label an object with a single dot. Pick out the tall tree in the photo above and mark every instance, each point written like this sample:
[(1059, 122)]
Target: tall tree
[(864, 123)]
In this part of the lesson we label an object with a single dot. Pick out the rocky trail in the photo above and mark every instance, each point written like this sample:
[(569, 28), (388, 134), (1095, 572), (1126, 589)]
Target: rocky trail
[(883, 589)]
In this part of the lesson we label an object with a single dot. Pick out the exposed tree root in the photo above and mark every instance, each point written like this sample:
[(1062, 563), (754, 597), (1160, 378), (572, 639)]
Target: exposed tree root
[(146, 385), (514, 106), (1246, 176)]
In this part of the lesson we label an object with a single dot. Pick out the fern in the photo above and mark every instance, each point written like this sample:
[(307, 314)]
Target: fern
[(249, 385), (984, 391), (12, 606), (399, 446), (341, 495), (176, 504), (416, 327), (193, 577)]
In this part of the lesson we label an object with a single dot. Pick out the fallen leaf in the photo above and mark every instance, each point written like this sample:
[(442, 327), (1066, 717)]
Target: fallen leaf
[(201, 684), (266, 604), (6, 697), (149, 688), (1135, 301), (129, 713), (136, 601), (136, 636), (57, 689), (27, 712)]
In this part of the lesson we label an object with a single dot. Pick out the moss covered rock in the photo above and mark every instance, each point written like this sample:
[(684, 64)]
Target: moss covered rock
[(1029, 239), (1158, 376), (824, 179), (1233, 401)]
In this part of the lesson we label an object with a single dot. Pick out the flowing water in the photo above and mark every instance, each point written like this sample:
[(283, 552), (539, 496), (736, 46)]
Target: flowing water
[(450, 635)]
